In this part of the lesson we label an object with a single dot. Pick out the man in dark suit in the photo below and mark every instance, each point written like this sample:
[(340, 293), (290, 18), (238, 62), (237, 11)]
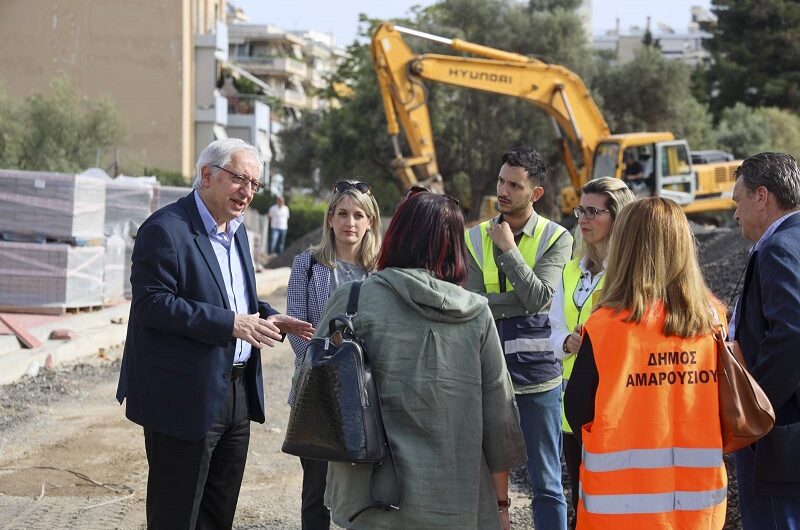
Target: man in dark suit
[(191, 369), (766, 323)]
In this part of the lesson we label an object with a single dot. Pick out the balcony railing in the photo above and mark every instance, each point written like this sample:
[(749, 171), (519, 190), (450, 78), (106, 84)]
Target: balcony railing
[(273, 63)]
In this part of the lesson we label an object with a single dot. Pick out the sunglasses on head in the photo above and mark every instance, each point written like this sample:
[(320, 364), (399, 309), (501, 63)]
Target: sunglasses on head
[(413, 190), (344, 185)]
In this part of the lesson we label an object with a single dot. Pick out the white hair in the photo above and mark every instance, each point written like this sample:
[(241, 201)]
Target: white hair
[(219, 153)]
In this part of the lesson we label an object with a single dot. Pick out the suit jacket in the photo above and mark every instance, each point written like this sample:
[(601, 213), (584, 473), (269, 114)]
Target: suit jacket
[(179, 348), (306, 297), (768, 331)]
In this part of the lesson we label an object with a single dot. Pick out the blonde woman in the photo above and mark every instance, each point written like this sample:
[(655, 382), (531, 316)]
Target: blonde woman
[(348, 251), (582, 281), (644, 387)]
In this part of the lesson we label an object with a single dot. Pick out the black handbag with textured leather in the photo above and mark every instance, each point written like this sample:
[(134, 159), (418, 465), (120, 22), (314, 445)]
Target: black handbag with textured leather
[(336, 414)]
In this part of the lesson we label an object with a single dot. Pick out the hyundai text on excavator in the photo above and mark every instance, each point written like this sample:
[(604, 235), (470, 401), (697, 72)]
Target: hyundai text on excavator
[(577, 121)]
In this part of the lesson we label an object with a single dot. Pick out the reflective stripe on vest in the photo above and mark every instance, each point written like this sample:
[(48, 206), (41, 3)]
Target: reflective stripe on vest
[(480, 246), (638, 503), (574, 315), (652, 456)]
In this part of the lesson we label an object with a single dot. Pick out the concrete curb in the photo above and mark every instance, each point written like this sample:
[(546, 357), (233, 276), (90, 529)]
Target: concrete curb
[(96, 331)]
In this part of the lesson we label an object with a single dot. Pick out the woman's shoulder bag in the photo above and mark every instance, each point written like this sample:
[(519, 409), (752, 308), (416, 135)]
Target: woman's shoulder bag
[(336, 414), (745, 412)]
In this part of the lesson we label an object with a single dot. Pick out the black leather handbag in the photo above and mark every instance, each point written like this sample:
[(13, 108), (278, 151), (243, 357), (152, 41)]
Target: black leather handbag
[(336, 414)]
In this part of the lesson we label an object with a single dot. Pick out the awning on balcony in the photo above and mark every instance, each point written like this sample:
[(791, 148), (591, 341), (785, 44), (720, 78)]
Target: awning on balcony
[(239, 70)]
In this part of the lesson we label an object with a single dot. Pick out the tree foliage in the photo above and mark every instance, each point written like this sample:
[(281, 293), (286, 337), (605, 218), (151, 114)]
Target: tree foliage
[(652, 93), (745, 131), (57, 130), (755, 47)]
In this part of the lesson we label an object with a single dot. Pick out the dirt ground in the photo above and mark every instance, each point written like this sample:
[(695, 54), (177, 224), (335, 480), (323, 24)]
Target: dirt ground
[(70, 460)]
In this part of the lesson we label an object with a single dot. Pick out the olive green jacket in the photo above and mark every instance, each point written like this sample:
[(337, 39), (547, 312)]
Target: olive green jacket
[(447, 401)]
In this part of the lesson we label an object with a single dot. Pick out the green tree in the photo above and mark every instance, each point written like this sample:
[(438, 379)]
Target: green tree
[(756, 54), (652, 93), (62, 131), (745, 131), (10, 133)]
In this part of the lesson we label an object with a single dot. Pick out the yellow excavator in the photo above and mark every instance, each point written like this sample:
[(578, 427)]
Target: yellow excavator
[(663, 163)]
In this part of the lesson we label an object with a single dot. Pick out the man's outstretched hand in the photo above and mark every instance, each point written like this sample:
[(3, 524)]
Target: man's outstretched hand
[(294, 326)]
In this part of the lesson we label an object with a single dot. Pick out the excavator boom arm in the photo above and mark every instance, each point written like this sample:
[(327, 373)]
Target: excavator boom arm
[(554, 89)]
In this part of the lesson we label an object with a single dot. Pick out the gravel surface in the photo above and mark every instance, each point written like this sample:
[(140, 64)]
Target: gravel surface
[(66, 419)]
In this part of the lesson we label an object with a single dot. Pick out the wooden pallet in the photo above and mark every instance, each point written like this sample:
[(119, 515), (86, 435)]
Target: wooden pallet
[(50, 309), (17, 237)]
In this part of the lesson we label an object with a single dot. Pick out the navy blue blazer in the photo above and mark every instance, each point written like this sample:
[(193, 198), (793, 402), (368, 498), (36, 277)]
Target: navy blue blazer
[(768, 331), (179, 349)]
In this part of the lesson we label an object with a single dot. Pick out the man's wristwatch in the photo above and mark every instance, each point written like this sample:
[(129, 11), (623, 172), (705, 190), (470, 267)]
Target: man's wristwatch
[(564, 345), (504, 505)]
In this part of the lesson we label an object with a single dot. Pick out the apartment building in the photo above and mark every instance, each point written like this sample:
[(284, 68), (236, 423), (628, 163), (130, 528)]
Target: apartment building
[(294, 64), (158, 60), (686, 46)]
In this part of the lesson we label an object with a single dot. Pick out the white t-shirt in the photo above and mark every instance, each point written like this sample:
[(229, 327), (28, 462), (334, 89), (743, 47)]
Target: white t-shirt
[(278, 217)]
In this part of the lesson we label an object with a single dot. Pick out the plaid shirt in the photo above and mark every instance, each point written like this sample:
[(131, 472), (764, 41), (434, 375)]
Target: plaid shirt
[(305, 299)]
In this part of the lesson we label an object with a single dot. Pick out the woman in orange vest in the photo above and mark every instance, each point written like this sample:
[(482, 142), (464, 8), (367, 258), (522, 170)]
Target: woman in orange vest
[(582, 281), (644, 385)]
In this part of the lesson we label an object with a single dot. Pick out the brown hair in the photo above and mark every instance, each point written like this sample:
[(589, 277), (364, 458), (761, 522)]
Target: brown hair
[(652, 258)]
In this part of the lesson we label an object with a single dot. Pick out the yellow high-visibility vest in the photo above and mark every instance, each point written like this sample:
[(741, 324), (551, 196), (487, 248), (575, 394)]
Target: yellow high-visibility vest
[(480, 246), (574, 315)]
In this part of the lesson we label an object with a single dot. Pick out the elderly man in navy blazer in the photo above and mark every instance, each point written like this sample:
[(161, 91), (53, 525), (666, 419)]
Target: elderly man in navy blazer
[(191, 369), (766, 323)]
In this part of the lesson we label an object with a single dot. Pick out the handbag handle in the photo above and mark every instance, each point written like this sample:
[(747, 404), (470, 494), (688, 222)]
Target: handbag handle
[(346, 320)]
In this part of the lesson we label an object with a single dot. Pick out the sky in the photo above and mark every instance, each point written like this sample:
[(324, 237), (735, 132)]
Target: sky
[(340, 17)]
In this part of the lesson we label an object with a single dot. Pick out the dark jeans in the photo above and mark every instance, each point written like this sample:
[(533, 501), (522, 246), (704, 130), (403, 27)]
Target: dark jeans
[(540, 419), (314, 514), (194, 485), (277, 240)]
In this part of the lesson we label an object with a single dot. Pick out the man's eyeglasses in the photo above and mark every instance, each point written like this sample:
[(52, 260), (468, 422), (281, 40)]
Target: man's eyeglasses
[(241, 180), (344, 185), (413, 190), (588, 212)]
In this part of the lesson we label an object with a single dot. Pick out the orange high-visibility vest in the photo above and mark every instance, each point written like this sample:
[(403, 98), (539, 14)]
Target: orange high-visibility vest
[(652, 457)]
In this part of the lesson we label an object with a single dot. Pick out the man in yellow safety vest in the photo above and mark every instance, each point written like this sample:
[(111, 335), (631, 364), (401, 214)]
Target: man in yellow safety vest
[(517, 258)]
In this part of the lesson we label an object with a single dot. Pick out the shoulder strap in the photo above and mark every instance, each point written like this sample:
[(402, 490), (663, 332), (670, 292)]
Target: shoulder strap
[(311, 261), (352, 302)]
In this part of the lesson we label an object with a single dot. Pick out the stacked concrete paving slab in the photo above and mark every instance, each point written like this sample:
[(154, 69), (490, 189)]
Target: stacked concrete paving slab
[(51, 256), (50, 276), (129, 202), (51, 206), (168, 194)]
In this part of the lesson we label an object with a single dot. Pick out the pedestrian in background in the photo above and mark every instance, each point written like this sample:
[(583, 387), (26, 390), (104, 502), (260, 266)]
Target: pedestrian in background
[(446, 398), (278, 225), (516, 261), (191, 369), (348, 251), (581, 284), (643, 391), (766, 324)]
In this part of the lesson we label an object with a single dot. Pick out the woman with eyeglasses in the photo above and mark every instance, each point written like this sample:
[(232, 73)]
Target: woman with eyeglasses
[(446, 398), (582, 281), (643, 396), (348, 251)]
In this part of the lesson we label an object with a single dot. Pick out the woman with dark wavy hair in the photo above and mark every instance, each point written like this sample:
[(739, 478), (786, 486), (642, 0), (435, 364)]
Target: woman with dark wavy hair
[(446, 398)]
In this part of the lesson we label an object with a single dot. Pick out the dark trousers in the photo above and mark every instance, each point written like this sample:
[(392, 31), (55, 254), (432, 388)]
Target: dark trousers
[(314, 514), (572, 456), (195, 485)]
